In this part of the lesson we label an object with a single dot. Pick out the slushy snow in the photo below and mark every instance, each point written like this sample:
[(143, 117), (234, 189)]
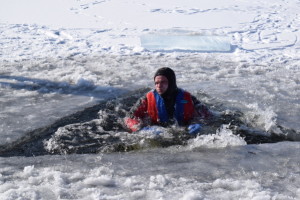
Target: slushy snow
[(59, 57)]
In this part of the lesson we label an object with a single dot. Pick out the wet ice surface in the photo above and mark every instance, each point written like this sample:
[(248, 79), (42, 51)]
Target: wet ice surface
[(49, 90), (100, 129), (208, 166), (255, 171)]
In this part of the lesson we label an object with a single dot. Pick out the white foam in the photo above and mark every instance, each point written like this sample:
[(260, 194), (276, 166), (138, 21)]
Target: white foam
[(263, 118), (28, 170), (221, 139), (192, 195), (158, 182)]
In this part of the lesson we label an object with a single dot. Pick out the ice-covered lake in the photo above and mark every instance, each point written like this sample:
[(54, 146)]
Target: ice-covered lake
[(64, 75)]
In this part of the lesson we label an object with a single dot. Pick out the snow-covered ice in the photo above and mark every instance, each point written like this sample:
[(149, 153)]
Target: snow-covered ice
[(268, 171), (59, 57)]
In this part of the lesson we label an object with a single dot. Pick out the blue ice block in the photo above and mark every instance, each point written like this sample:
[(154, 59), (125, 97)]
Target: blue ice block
[(186, 42)]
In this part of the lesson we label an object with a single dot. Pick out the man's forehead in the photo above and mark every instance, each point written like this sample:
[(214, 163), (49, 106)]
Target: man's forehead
[(160, 78)]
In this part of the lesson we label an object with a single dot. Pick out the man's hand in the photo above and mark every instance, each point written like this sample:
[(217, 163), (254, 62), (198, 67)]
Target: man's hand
[(132, 124), (194, 128)]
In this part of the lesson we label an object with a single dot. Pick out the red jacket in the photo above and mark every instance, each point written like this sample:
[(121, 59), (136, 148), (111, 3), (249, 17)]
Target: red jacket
[(184, 108), (151, 108)]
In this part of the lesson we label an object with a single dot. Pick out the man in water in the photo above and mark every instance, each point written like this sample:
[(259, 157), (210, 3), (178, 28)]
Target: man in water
[(166, 105)]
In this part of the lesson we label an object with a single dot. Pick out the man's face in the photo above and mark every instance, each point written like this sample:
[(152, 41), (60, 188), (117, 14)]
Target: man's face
[(161, 84)]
